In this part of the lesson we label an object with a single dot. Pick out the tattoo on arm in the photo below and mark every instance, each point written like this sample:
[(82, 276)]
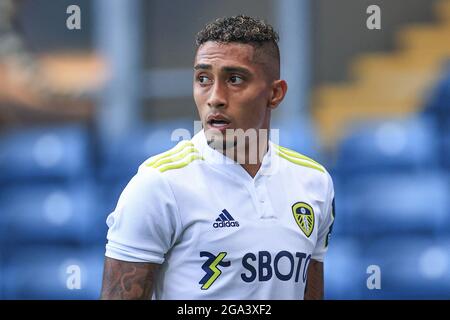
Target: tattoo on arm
[(314, 284), (127, 280)]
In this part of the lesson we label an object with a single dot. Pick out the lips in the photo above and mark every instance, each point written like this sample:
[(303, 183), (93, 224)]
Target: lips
[(218, 121)]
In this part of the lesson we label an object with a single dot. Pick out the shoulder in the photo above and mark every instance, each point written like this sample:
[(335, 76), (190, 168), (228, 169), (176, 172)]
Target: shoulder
[(173, 160), (300, 164), (153, 177), (297, 159)]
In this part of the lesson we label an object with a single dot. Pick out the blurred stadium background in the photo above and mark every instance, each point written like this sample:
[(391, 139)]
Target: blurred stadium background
[(80, 109)]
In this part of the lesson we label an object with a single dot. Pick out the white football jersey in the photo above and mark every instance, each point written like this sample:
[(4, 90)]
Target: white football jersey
[(217, 232)]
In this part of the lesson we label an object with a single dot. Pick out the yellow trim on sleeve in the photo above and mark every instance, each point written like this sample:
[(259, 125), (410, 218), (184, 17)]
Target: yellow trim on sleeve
[(182, 164), (301, 162), (178, 156), (169, 153), (295, 154)]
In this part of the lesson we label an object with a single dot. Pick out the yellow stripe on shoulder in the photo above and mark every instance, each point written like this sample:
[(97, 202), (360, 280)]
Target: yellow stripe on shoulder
[(298, 158), (177, 165), (176, 157), (178, 148), (295, 154)]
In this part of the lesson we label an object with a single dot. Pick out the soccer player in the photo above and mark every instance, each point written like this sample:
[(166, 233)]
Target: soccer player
[(209, 220)]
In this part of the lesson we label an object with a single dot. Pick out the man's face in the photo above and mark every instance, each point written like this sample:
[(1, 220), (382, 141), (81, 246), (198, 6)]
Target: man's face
[(231, 89)]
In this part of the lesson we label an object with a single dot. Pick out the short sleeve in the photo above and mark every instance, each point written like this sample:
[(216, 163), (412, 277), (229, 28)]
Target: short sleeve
[(325, 223), (145, 223)]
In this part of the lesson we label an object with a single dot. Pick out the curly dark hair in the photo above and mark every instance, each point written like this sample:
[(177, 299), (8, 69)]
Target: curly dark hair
[(241, 29)]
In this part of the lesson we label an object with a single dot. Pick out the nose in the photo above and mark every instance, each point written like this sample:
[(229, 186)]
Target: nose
[(217, 97)]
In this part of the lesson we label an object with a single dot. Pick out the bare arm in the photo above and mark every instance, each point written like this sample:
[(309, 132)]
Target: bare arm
[(314, 284), (127, 280)]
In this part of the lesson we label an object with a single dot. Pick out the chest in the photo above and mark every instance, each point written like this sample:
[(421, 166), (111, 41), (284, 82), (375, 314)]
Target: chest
[(270, 214)]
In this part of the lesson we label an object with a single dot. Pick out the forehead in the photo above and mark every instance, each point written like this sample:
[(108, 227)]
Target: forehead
[(215, 53)]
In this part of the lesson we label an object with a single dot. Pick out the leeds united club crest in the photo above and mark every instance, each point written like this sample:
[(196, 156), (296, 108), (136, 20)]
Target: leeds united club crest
[(304, 216)]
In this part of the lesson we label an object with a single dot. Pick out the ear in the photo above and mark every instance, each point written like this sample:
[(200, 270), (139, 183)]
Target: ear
[(279, 89)]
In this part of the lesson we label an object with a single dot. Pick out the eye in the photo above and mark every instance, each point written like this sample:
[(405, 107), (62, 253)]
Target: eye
[(236, 79), (202, 79)]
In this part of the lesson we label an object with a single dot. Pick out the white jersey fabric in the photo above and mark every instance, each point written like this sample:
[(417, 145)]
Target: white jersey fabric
[(218, 232)]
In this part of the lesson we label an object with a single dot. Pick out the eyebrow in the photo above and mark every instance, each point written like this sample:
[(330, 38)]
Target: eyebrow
[(202, 66), (228, 69)]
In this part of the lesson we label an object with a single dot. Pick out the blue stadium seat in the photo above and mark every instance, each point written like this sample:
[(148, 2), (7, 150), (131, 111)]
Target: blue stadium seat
[(51, 272), (46, 212), (2, 296), (437, 106), (445, 144), (340, 225), (109, 193), (344, 271), (439, 97), (411, 267), (44, 152), (123, 157), (392, 203), (406, 144)]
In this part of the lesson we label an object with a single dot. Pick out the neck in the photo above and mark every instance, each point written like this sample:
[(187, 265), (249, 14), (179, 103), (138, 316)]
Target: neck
[(252, 169), (249, 154)]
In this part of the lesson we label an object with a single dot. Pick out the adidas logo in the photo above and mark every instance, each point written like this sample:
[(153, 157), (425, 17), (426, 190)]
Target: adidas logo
[(225, 220)]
